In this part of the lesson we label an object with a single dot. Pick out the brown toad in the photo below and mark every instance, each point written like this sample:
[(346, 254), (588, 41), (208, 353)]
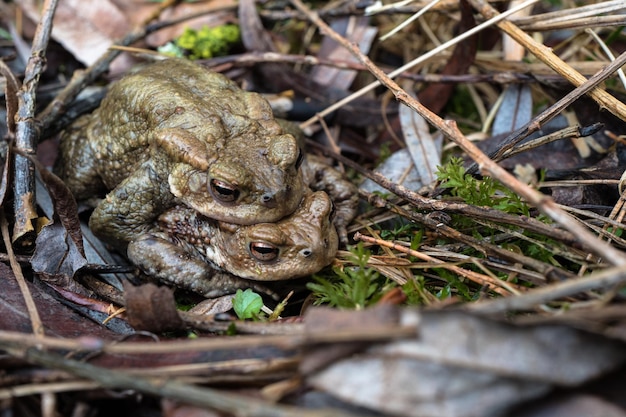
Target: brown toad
[(173, 133), (209, 257)]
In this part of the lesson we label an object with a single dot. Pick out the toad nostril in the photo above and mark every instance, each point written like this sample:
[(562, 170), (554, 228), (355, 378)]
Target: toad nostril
[(268, 200)]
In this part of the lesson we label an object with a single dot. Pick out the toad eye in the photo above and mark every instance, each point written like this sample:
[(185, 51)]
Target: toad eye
[(223, 191), (263, 251), (299, 159)]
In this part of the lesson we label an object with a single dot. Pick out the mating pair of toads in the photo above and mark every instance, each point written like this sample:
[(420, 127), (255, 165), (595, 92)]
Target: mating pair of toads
[(204, 187)]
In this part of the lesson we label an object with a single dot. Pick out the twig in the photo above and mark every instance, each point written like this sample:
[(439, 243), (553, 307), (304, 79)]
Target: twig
[(568, 132), (546, 55), (252, 58), (582, 23), (569, 14), (431, 204), (26, 133), (547, 270), (606, 279), (299, 338), (239, 405), (33, 314), (449, 129), (39, 388)]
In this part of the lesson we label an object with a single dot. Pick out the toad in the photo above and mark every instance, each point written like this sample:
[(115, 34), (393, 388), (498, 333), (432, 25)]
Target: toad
[(210, 257), (174, 133)]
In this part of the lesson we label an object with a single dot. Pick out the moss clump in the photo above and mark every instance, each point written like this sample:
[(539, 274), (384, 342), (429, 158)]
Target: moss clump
[(204, 43)]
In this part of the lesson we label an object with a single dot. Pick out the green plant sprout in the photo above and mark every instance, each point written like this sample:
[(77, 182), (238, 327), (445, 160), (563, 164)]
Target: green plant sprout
[(354, 287), (247, 304)]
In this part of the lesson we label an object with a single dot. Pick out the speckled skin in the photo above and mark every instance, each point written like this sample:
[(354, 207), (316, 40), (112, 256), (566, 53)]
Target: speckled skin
[(200, 254), (175, 133)]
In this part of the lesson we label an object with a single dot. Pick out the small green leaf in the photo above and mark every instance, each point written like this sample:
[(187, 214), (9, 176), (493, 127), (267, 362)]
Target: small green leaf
[(171, 49), (247, 304)]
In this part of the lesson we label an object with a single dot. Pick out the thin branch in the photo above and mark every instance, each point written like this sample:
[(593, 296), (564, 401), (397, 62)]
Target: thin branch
[(547, 270), (606, 279), (469, 210), (549, 113), (495, 285), (26, 132), (33, 314), (236, 404)]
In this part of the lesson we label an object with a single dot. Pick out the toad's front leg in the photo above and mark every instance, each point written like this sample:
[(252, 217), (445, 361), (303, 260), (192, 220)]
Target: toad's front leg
[(130, 209)]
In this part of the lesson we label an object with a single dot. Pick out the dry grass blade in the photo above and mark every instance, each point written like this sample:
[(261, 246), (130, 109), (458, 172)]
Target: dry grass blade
[(608, 278), (562, 17), (497, 286), (584, 22)]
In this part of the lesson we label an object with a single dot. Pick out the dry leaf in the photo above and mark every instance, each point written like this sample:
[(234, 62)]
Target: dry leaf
[(58, 320), (462, 365), (213, 306), (86, 28), (424, 149), (151, 308), (515, 110), (360, 33), (398, 168)]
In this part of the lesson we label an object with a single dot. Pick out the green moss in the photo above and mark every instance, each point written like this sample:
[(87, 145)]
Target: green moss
[(204, 43), (353, 287)]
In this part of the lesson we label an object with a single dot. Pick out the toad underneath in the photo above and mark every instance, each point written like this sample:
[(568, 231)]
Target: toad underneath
[(214, 258)]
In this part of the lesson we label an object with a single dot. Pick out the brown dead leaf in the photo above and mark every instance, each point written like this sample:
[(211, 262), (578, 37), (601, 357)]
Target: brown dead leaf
[(86, 28), (319, 320), (59, 249), (57, 258), (212, 306), (57, 319), (253, 35), (151, 308)]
